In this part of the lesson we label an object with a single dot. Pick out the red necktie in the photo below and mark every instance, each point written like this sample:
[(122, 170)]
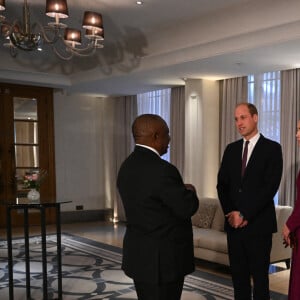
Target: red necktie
[(244, 159)]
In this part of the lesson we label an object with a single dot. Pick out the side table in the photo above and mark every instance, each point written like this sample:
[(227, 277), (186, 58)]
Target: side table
[(42, 208)]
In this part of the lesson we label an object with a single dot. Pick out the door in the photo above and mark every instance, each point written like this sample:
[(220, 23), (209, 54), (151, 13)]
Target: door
[(26, 146)]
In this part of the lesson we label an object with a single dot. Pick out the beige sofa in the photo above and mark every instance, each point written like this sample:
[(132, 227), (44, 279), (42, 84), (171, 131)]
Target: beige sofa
[(210, 241)]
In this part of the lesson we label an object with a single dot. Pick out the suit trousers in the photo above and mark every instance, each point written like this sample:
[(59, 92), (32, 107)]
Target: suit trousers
[(249, 257), (159, 291)]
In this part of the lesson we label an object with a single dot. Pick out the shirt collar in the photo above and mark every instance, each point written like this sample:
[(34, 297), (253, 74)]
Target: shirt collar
[(254, 139), (150, 148)]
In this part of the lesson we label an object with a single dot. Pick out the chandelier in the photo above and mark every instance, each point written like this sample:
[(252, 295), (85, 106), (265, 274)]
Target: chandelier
[(65, 41)]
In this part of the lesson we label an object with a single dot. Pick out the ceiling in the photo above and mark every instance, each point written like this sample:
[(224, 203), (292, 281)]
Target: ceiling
[(162, 42)]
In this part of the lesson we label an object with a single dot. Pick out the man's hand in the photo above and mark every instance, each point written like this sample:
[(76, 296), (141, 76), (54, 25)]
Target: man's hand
[(236, 220), (286, 235), (190, 187)]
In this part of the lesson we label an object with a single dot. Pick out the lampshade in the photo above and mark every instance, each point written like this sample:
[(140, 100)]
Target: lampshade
[(56, 8), (92, 20), (95, 33), (72, 36), (2, 4)]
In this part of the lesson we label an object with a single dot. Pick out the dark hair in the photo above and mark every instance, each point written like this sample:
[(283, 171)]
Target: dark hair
[(251, 107)]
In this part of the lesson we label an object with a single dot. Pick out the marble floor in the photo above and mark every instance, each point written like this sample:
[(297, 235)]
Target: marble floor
[(112, 234)]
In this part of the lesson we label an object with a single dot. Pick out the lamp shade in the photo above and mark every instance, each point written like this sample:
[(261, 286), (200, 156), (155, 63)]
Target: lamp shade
[(95, 33), (92, 20), (72, 36), (56, 8), (2, 4)]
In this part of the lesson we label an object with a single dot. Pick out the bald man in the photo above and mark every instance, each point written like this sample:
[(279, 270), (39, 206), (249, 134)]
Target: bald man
[(158, 243)]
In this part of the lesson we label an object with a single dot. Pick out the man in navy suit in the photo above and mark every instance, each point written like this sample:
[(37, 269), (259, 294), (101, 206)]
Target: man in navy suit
[(158, 243), (248, 205)]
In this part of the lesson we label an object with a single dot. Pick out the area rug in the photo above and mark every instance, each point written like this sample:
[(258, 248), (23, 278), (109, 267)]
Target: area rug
[(91, 270)]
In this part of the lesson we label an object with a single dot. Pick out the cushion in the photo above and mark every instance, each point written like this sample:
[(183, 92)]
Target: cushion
[(204, 216), (219, 219), (210, 239)]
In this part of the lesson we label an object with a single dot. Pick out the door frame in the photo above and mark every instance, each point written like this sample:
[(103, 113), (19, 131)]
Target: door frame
[(45, 112)]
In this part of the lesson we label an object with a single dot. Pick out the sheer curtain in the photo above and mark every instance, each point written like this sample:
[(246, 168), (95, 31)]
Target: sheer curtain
[(177, 126), (264, 93), (233, 91), (156, 102), (290, 114)]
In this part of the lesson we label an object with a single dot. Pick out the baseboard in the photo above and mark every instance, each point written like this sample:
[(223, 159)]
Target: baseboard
[(86, 215)]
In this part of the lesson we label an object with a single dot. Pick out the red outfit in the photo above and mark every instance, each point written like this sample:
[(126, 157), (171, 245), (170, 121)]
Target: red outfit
[(293, 223)]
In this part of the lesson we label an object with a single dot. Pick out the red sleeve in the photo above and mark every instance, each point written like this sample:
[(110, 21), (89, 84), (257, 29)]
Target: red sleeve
[(293, 222)]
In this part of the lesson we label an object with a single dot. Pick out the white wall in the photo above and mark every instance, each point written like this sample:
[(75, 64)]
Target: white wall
[(202, 135), (84, 137), (80, 132)]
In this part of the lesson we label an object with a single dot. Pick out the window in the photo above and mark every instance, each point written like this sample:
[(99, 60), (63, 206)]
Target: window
[(156, 102), (264, 93)]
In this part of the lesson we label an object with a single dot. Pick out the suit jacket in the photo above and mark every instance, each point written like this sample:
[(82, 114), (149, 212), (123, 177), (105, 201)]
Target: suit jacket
[(253, 194), (158, 243)]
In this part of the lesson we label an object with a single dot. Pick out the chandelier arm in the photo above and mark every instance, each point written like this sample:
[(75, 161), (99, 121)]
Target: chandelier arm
[(78, 52), (13, 51), (55, 31), (68, 46), (62, 56), (90, 49)]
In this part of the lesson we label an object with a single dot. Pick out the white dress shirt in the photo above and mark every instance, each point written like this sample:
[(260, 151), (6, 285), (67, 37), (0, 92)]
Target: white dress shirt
[(150, 148), (251, 145)]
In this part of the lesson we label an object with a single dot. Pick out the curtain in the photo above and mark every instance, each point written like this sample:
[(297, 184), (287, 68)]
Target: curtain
[(156, 102), (26, 132), (125, 111), (264, 93), (290, 114), (177, 125), (233, 91)]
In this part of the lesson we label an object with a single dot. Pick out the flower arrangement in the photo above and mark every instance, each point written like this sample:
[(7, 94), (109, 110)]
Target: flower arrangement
[(33, 179)]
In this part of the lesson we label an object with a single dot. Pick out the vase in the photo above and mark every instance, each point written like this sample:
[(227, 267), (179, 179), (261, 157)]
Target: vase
[(33, 195)]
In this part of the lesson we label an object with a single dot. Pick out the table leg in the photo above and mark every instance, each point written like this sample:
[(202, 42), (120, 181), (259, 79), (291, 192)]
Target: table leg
[(58, 241), (44, 253), (27, 257), (9, 252)]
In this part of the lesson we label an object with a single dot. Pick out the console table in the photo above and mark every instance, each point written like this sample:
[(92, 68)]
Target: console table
[(41, 207)]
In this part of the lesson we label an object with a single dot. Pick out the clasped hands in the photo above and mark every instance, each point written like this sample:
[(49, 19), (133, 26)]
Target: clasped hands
[(236, 220)]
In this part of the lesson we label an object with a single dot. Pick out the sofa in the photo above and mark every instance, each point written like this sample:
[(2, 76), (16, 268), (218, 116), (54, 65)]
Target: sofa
[(210, 241)]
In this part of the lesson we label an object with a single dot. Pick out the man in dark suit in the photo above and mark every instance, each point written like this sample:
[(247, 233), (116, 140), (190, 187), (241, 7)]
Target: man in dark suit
[(158, 243), (248, 205)]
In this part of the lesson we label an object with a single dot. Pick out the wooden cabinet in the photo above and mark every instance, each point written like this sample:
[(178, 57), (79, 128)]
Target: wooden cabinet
[(26, 144)]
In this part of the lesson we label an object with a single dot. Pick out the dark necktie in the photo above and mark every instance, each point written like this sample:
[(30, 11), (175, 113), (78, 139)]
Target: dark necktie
[(244, 159)]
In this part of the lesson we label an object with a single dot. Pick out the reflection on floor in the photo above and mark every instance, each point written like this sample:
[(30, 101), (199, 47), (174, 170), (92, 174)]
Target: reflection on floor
[(112, 234)]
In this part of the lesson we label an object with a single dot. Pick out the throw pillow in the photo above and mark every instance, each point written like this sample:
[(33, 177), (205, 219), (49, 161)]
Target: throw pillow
[(219, 219), (205, 215)]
